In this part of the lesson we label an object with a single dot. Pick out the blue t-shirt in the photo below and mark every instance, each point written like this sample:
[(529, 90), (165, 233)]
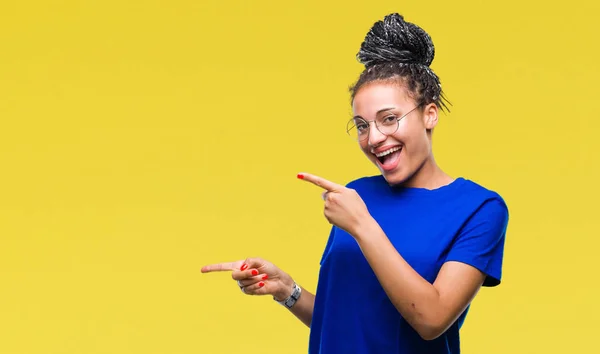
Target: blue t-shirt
[(461, 222)]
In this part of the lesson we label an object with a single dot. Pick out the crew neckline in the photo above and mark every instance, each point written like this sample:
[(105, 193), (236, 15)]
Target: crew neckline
[(417, 191)]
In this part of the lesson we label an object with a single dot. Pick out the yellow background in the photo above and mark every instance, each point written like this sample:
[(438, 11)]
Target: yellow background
[(140, 140)]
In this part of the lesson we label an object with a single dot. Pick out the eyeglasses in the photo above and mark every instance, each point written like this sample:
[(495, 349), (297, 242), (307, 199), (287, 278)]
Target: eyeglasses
[(358, 128)]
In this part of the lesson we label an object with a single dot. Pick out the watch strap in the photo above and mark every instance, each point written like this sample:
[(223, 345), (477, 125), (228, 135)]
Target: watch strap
[(292, 299)]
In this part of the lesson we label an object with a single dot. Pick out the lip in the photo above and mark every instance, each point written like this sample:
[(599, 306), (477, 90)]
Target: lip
[(384, 148)]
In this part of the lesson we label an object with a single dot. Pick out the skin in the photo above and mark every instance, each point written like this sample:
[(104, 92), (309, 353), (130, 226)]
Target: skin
[(429, 308)]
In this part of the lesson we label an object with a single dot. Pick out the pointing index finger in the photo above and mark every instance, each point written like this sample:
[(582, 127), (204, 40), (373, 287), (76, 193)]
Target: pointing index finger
[(220, 267), (320, 182)]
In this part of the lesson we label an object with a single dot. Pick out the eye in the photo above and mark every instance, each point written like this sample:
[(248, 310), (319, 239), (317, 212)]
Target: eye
[(389, 120), (362, 126)]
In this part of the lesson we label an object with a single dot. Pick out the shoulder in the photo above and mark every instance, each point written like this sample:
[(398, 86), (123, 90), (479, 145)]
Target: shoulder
[(463, 200), (473, 192), (480, 205)]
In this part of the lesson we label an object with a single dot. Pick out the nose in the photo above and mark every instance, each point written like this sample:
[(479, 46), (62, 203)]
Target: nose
[(375, 136)]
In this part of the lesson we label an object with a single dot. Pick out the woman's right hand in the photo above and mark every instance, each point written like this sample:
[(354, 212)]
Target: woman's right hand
[(256, 276)]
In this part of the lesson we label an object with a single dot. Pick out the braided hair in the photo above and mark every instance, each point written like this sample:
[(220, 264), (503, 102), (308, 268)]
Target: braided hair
[(394, 49)]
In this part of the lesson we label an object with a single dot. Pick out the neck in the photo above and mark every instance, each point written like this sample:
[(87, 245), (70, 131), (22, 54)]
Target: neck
[(429, 176)]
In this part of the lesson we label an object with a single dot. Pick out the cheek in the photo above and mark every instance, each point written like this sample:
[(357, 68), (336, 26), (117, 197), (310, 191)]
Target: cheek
[(364, 147), (414, 139)]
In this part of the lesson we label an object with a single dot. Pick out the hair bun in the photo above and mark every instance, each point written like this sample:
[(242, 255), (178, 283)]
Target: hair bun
[(394, 40)]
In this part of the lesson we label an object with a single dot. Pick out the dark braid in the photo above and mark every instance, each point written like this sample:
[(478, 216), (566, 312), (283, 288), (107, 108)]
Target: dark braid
[(398, 50)]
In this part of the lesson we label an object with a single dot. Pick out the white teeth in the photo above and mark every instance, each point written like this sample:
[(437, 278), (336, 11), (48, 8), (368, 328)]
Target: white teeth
[(387, 152)]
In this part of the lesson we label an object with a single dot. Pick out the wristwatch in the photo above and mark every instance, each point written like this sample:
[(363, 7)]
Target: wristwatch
[(291, 300)]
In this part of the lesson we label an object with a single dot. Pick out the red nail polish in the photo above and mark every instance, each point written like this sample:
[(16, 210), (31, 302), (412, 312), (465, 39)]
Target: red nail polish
[(265, 277), (244, 266), (300, 175), (261, 284), (254, 272)]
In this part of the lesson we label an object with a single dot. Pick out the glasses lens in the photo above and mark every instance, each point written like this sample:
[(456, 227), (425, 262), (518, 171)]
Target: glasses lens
[(358, 129), (388, 126)]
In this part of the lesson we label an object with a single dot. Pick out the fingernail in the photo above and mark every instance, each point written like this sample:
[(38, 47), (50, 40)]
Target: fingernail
[(265, 277), (254, 272), (244, 266), (261, 284), (300, 176)]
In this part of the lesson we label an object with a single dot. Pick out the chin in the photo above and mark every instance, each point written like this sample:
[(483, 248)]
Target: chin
[(396, 178)]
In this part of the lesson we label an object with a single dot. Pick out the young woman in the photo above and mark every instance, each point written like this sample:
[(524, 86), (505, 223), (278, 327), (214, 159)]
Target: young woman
[(410, 248)]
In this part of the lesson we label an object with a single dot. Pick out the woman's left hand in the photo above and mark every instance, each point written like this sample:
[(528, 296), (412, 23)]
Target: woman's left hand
[(344, 208)]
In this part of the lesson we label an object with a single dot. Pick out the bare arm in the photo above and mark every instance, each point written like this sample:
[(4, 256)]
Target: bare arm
[(303, 308), (429, 308)]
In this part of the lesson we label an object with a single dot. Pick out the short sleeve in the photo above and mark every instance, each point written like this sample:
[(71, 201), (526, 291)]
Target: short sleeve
[(481, 241)]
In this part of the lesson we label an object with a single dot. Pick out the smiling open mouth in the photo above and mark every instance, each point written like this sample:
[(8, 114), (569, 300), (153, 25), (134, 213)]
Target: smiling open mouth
[(388, 156)]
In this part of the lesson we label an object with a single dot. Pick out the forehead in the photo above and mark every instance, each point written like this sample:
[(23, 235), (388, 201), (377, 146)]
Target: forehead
[(376, 96)]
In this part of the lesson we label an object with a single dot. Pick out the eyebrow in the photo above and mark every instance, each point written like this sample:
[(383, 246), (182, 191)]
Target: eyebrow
[(378, 112)]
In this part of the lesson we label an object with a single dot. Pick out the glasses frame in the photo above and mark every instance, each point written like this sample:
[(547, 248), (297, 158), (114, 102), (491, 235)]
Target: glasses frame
[(352, 124)]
